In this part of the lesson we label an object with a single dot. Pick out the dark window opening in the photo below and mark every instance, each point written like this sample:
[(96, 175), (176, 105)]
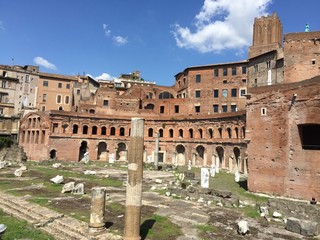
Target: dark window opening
[(225, 72), (105, 103), (233, 92), (150, 132), (309, 136), (160, 132), (215, 108), (122, 131), (197, 109), (216, 93), (161, 109), (94, 130), (103, 131), (198, 93), (234, 71), (216, 72), (176, 108), (198, 78), (171, 133), (85, 130), (113, 131)]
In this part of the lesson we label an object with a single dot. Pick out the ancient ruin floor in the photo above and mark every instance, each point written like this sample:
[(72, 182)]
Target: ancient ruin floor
[(183, 215)]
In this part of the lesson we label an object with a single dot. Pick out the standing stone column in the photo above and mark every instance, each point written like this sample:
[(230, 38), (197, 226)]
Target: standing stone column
[(134, 184), (156, 152), (98, 196)]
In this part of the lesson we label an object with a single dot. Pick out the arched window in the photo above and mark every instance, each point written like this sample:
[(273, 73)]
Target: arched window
[(85, 129), (236, 130), (112, 131), (220, 132), (181, 133), (200, 133), (92, 111), (75, 129), (243, 132), (210, 133), (94, 130), (122, 131), (229, 132), (103, 131), (191, 133), (160, 132), (149, 106), (171, 133), (165, 95), (150, 132)]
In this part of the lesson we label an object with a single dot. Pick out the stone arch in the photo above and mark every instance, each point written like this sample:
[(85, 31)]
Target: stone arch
[(191, 133), (83, 149), (94, 130), (165, 95), (103, 130), (236, 152), (236, 131), (122, 131), (243, 132), (160, 132), (181, 133), (171, 133), (200, 133), (180, 156), (220, 132), (85, 129), (149, 106), (150, 132), (200, 154), (53, 154), (220, 154), (102, 151), (121, 153), (229, 132), (210, 131), (112, 131), (75, 128)]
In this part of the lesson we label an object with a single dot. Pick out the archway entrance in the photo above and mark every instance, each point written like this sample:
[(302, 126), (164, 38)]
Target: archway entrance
[(180, 158), (200, 155), (53, 154), (220, 153), (102, 151), (83, 149), (121, 154), (236, 152)]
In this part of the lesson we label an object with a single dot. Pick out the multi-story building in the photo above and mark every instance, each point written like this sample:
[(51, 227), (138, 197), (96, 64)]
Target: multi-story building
[(283, 117)]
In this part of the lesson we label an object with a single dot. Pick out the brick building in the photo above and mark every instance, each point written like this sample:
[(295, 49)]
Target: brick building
[(283, 118)]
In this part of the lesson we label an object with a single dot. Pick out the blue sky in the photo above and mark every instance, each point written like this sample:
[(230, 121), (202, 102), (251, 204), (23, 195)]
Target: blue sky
[(158, 37)]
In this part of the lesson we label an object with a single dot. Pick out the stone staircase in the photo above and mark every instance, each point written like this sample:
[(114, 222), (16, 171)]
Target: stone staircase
[(61, 227)]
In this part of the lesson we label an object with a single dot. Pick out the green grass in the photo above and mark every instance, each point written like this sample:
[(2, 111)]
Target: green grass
[(159, 228), (252, 212), (17, 229)]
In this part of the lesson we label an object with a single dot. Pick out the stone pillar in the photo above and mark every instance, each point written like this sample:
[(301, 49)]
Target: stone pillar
[(156, 152), (98, 196), (134, 184)]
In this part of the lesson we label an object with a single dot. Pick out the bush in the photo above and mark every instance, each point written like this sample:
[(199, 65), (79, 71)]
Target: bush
[(5, 142)]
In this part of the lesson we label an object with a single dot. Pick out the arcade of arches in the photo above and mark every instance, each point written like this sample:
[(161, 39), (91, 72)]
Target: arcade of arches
[(204, 144)]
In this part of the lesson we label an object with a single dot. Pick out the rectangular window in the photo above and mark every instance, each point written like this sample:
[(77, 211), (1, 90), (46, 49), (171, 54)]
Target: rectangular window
[(66, 100), (225, 81), (197, 109), (44, 97), (27, 79), (225, 72), (198, 93), (68, 86), (4, 84), (242, 92), (161, 109), (59, 98), (59, 85), (105, 103), (234, 92), (176, 108), (268, 64), (234, 71), (45, 83), (215, 108), (309, 136), (233, 108), (198, 78), (216, 93), (244, 70), (216, 72), (224, 108)]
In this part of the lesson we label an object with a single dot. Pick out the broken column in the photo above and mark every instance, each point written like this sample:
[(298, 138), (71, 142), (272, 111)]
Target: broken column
[(98, 196), (134, 184)]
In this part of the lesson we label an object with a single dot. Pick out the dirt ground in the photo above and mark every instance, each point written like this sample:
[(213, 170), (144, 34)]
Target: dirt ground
[(221, 220)]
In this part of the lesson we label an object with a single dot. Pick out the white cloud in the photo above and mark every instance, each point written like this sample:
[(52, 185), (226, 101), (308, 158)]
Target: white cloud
[(107, 31), (118, 40), (104, 76), (43, 62), (221, 25)]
